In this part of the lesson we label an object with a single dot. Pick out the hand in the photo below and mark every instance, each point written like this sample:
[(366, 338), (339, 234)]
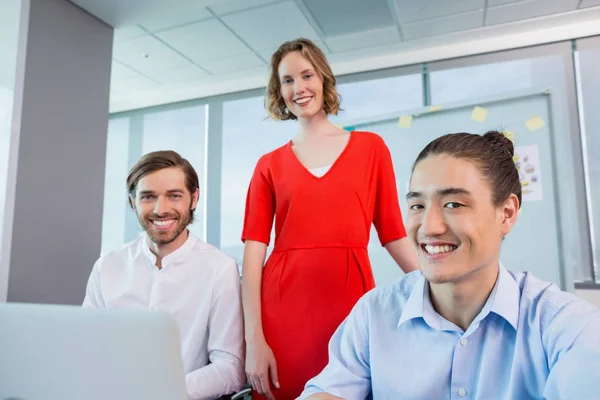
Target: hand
[(260, 366)]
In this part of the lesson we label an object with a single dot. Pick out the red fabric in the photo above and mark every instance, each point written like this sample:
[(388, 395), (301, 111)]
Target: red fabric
[(319, 266)]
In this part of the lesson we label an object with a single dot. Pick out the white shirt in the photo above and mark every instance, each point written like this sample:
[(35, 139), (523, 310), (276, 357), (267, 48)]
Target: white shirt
[(199, 287), (319, 172)]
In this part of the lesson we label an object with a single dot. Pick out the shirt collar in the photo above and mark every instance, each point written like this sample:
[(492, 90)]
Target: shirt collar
[(414, 305), (173, 257), (506, 297), (503, 300)]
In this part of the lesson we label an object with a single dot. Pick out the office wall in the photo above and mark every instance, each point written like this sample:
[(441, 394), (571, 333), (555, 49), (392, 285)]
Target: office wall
[(57, 161)]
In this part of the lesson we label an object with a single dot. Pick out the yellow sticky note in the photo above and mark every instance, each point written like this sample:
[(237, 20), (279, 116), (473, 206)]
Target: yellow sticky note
[(405, 121), (510, 135), (479, 114), (535, 123), (435, 108)]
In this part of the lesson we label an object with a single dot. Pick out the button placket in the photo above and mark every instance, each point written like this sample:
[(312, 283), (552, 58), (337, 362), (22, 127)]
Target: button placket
[(154, 291), (460, 371)]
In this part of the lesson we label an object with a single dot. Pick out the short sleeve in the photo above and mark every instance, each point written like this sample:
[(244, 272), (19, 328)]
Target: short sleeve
[(260, 204), (387, 216)]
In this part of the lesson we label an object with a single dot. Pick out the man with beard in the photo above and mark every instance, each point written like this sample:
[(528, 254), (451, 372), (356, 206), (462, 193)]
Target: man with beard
[(169, 269)]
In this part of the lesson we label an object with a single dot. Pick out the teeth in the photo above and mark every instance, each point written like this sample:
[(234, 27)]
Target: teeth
[(439, 249), (303, 100), (163, 223)]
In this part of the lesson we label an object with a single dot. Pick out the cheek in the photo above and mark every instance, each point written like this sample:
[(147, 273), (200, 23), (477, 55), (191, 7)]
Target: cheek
[(286, 93), (412, 226), (183, 206), (143, 210)]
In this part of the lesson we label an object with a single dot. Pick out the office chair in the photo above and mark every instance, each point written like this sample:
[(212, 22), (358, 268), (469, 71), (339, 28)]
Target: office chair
[(244, 394)]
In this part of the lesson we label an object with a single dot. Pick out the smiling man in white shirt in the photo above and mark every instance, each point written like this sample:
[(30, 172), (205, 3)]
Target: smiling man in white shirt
[(171, 270)]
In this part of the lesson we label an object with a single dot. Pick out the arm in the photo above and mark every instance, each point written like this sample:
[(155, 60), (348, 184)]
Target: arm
[(260, 362), (573, 353), (387, 216), (403, 253), (225, 372), (348, 373), (260, 210), (93, 292)]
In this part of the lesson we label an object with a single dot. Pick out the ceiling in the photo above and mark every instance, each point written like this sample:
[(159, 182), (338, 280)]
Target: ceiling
[(170, 46)]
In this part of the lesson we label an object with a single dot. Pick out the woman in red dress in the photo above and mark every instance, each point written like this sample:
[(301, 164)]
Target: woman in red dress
[(324, 188)]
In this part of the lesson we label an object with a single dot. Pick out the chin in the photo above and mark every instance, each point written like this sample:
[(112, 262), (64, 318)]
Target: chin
[(437, 274)]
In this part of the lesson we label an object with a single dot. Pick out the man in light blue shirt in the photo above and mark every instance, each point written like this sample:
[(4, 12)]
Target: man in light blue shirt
[(464, 327)]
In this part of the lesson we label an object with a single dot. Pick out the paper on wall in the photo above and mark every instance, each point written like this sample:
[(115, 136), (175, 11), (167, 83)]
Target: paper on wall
[(527, 161)]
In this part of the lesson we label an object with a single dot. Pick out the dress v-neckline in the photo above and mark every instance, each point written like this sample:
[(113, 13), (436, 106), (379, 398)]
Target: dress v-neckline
[(332, 165)]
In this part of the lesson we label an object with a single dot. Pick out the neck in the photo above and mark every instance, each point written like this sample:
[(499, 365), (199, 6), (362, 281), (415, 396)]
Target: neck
[(317, 124), (460, 302), (163, 250)]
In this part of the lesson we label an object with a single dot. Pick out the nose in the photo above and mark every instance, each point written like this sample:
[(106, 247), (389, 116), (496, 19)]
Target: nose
[(161, 206), (433, 223), (299, 87)]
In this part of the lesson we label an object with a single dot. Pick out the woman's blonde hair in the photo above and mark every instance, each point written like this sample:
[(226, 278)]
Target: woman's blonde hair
[(274, 102)]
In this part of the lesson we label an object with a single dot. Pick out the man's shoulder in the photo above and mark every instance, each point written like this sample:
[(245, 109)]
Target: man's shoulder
[(212, 257), (126, 252), (392, 296), (548, 304)]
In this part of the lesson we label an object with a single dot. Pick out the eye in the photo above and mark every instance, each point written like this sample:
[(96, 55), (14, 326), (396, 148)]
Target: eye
[(175, 196), (147, 197), (453, 204), (416, 207), (307, 76), (286, 81)]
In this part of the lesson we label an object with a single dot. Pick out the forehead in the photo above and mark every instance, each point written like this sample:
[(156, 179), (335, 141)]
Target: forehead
[(163, 180), (443, 171), (293, 63)]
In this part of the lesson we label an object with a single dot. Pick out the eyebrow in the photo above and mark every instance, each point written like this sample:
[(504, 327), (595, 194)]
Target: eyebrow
[(301, 73), (144, 192), (440, 193)]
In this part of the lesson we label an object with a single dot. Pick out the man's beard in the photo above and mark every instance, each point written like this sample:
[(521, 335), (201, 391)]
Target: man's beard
[(162, 238)]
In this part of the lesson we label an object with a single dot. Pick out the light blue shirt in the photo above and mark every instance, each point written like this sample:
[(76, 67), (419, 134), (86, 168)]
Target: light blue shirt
[(530, 341)]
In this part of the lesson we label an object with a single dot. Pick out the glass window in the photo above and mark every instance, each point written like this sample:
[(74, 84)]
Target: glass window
[(539, 68), (115, 192), (588, 58), (247, 135), (182, 130), (481, 80), (379, 96)]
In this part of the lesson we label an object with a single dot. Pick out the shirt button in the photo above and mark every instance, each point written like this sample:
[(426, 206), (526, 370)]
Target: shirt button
[(463, 342), (462, 392)]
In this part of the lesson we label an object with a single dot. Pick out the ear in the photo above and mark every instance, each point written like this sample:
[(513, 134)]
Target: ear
[(510, 211), (131, 199), (195, 197)]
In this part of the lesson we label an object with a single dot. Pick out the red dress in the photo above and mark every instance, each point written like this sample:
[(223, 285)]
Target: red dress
[(319, 266)]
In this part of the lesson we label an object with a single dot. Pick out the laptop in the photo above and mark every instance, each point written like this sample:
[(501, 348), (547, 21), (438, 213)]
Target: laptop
[(51, 352)]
